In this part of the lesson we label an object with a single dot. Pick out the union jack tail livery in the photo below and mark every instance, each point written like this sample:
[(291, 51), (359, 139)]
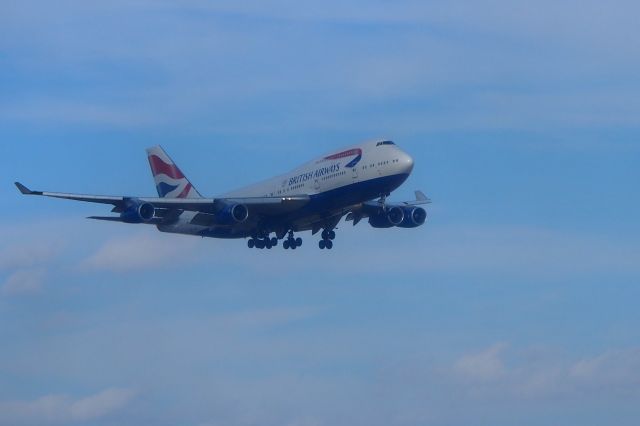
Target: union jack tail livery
[(170, 181)]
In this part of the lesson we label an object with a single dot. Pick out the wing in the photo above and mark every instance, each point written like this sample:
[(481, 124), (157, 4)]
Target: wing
[(258, 205)]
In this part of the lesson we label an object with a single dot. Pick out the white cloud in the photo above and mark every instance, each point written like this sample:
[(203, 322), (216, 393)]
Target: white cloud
[(63, 409), (27, 255), (101, 404), (479, 46), (141, 251), (26, 281), (485, 365), (25, 258), (617, 368), (486, 374)]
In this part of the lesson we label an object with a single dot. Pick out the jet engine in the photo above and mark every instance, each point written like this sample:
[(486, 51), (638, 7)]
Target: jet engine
[(138, 212), (413, 217), (235, 213), (387, 219)]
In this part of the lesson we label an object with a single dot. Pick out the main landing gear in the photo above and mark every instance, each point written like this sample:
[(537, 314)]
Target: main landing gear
[(327, 239), (262, 243), (291, 242)]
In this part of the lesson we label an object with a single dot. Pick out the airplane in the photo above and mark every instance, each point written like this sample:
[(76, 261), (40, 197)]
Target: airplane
[(354, 182)]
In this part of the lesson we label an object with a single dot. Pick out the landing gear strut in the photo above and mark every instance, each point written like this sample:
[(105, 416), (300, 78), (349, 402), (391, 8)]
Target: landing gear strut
[(291, 242), (328, 235), (383, 201)]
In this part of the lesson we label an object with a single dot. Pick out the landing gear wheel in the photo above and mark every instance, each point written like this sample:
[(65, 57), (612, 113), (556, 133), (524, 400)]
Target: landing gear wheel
[(328, 235), (285, 244), (299, 242), (274, 242), (251, 243)]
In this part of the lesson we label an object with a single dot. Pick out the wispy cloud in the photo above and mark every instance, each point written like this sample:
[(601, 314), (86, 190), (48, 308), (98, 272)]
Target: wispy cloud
[(141, 251), (468, 70), (22, 282), (63, 409), (101, 404), (614, 368), (25, 264), (499, 372), (23, 255), (484, 365)]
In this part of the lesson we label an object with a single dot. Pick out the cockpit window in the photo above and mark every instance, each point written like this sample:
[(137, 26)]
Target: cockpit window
[(385, 143)]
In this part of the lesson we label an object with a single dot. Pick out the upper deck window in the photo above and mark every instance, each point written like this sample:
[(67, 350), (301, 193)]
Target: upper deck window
[(385, 143)]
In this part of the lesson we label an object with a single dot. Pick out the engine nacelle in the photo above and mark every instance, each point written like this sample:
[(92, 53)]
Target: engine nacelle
[(235, 213), (137, 212), (413, 217), (392, 217)]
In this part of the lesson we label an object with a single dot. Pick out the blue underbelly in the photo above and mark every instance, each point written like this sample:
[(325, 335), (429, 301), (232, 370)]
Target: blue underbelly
[(327, 201), (356, 192)]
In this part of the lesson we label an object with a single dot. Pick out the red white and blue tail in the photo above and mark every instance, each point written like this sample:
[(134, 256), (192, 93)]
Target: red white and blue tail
[(170, 181)]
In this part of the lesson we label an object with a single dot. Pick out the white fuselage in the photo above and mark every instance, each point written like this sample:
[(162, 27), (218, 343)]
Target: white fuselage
[(333, 182), (314, 196), (322, 175)]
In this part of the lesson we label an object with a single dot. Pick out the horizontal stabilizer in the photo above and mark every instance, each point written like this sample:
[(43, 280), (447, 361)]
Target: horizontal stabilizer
[(420, 199)]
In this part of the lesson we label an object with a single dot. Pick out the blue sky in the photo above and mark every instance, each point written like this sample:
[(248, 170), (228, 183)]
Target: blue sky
[(516, 303)]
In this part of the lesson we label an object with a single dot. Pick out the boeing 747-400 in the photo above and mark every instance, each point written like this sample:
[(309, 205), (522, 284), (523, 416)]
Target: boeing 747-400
[(354, 182)]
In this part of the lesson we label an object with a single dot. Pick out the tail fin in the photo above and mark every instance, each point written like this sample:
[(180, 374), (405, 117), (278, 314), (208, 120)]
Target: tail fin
[(170, 181)]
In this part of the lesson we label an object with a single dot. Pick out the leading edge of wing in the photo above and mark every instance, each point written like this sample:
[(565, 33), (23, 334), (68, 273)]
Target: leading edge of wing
[(190, 204), (260, 205), (103, 199)]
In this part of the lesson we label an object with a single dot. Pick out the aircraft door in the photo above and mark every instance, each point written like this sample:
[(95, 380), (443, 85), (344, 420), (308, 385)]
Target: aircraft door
[(354, 173)]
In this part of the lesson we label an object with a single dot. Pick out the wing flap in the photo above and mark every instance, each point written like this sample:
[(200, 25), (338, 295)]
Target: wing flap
[(270, 205), (154, 221), (203, 219)]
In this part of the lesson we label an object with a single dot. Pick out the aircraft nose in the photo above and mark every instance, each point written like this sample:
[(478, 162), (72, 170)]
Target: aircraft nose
[(406, 162)]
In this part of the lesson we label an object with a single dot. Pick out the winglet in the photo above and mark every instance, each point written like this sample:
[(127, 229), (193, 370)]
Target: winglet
[(420, 196), (23, 189)]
